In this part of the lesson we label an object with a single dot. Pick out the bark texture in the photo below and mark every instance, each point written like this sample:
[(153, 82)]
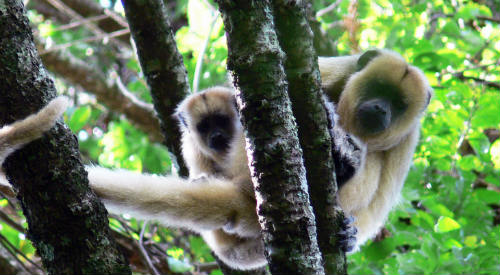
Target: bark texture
[(66, 222), (275, 157), (304, 88), (162, 65)]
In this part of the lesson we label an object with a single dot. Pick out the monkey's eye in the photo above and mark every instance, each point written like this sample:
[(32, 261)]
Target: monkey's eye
[(203, 126), (399, 106)]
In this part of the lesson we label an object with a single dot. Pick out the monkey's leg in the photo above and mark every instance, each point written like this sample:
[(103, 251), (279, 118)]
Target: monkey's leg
[(237, 252), (206, 204)]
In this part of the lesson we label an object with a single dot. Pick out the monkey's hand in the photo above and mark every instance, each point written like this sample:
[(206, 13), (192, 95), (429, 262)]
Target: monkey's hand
[(347, 236), (201, 178), (348, 155)]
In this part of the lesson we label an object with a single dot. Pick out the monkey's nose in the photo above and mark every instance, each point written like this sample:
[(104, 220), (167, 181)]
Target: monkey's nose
[(218, 142)]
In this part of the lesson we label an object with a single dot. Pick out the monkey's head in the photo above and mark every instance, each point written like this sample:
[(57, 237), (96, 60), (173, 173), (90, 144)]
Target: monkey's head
[(383, 100), (210, 118)]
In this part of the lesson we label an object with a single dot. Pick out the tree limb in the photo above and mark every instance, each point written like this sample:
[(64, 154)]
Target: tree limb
[(309, 108), (275, 157), (162, 65), (109, 93)]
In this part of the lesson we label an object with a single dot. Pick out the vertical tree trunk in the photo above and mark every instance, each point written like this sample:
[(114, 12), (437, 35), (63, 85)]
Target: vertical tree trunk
[(304, 87), (66, 222), (162, 65), (275, 157)]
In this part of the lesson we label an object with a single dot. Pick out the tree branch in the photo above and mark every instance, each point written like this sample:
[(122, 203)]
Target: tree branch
[(162, 65), (275, 157), (461, 76), (107, 92), (304, 88)]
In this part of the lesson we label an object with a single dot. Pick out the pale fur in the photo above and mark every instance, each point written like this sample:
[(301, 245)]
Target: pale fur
[(218, 200)]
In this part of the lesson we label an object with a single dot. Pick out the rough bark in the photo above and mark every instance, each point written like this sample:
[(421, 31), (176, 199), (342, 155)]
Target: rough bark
[(66, 222), (162, 65), (275, 157), (304, 88), (107, 91)]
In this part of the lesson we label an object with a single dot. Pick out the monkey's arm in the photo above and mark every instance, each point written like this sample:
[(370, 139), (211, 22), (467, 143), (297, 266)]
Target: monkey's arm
[(395, 164), (335, 72), (204, 204), (17, 134)]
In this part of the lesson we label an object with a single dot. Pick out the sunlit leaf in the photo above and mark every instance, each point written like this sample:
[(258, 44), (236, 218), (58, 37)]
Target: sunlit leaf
[(79, 118), (446, 224)]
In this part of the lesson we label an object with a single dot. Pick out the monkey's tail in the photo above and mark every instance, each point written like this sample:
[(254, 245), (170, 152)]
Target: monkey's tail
[(17, 134)]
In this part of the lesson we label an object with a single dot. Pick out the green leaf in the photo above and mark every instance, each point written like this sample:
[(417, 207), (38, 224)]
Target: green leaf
[(495, 153), (487, 196), (79, 118), (446, 224), (470, 163)]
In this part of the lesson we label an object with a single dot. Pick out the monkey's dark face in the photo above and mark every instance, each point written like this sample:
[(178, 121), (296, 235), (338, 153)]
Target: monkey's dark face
[(216, 130), (209, 120), (381, 103)]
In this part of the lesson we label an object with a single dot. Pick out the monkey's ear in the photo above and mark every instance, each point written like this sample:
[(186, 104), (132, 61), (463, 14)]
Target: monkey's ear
[(365, 58), (180, 117)]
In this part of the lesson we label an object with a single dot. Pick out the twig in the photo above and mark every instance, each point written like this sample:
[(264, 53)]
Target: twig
[(92, 27), (492, 19), (103, 36), (328, 9), (13, 251), (201, 54), (461, 76), (144, 252), (117, 18), (81, 22), (11, 222)]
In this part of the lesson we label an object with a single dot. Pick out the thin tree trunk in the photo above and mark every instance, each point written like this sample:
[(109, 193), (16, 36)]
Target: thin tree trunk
[(275, 157), (304, 87), (162, 65), (66, 222)]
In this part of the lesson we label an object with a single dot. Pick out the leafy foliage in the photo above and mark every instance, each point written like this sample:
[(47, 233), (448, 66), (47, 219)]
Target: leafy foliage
[(449, 215)]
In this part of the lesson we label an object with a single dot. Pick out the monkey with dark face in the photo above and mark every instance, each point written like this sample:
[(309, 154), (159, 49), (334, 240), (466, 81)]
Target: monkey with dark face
[(381, 102)]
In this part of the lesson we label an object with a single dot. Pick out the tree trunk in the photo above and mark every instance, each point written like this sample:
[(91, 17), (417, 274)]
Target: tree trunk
[(304, 88), (66, 222), (275, 157), (162, 65)]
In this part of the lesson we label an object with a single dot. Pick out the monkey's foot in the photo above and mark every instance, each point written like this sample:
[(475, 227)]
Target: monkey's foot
[(347, 235)]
